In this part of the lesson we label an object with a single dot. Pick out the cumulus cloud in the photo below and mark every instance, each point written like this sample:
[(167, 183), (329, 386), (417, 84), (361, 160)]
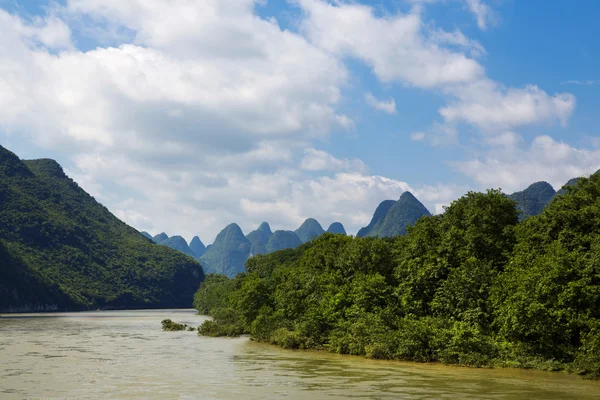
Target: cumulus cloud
[(318, 160), (396, 47), (490, 106), (513, 166), (402, 48), (204, 113)]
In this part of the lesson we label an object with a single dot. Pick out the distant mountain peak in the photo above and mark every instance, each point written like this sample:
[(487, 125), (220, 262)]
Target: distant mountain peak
[(161, 237), (259, 239), (392, 217), (230, 232), (197, 247), (534, 198), (264, 227), (283, 240), (337, 228), (178, 243), (406, 196), (380, 213), (146, 235), (309, 229)]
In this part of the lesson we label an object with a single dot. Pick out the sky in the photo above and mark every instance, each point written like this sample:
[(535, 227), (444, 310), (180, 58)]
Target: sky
[(184, 116)]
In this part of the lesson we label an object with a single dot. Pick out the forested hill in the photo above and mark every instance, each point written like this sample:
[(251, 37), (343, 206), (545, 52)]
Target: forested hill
[(60, 249), (472, 286)]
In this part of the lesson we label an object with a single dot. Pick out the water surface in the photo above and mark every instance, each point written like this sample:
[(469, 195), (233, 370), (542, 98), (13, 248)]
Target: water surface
[(126, 355)]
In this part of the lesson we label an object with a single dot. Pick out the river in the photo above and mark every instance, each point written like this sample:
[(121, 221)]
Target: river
[(126, 355)]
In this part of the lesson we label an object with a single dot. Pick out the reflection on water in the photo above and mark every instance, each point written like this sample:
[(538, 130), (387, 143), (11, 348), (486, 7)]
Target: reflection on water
[(125, 354)]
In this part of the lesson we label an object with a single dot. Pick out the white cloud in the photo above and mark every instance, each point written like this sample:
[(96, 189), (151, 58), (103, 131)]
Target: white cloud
[(402, 48), (513, 167), (491, 106), (482, 12), (318, 160), (387, 106), (396, 47), (205, 114)]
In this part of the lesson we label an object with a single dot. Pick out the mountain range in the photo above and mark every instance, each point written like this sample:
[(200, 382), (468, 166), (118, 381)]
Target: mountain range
[(391, 218), (230, 250), (61, 249)]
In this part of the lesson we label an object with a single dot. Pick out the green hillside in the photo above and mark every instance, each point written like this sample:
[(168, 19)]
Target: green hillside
[(60, 249)]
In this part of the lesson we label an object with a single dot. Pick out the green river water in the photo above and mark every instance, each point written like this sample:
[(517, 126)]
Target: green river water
[(126, 355)]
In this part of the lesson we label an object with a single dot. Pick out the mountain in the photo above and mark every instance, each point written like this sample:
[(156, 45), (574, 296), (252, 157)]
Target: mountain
[(380, 213), (406, 211), (228, 253), (309, 230), (532, 200), (281, 240), (337, 228), (197, 247), (146, 235), (259, 239), (60, 249), (161, 237), (178, 243)]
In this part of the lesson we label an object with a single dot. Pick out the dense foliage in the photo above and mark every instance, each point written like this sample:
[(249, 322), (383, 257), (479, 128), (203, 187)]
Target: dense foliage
[(60, 249), (472, 286)]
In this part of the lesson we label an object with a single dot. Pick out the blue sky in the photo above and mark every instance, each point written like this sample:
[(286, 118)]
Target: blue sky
[(186, 116)]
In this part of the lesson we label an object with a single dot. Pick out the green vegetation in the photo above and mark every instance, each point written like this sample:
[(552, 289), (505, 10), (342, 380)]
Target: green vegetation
[(60, 249), (532, 200), (472, 286), (228, 253), (337, 228), (309, 230), (168, 325)]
